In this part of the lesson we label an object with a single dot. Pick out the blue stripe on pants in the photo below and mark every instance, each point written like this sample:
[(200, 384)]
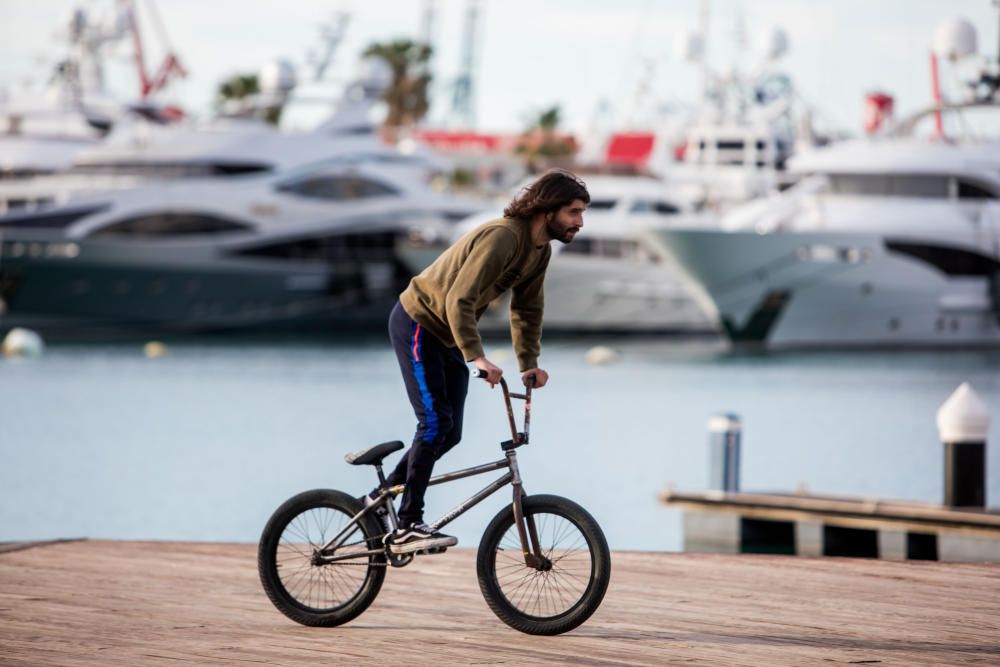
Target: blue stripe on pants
[(430, 417)]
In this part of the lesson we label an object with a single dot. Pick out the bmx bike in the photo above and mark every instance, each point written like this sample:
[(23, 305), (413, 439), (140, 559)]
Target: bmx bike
[(543, 563)]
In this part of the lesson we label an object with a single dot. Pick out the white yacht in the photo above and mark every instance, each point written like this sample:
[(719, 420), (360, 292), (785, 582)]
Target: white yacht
[(609, 279), (140, 150), (45, 127), (893, 241), (307, 247)]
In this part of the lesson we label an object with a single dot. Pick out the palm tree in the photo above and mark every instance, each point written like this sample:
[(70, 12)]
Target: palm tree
[(548, 119), (243, 86), (239, 86), (407, 94), (541, 143)]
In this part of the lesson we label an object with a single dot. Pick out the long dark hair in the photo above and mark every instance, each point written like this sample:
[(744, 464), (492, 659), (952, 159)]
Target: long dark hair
[(553, 190)]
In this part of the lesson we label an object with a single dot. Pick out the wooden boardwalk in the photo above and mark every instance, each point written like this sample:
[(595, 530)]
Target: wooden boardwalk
[(147, 603)]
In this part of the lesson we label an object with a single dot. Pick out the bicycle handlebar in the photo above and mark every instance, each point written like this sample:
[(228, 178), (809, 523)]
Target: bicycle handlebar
[(481, 374)]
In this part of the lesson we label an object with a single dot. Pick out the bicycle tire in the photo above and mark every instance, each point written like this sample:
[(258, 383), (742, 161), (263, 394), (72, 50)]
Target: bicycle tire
[(545, 602), (318, 595)]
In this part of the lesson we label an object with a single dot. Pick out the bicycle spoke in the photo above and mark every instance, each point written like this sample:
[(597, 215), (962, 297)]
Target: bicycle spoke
[(324, 586), (545, 593)]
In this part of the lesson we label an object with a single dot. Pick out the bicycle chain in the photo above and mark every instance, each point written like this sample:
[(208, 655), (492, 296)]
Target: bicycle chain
[(386, 563)]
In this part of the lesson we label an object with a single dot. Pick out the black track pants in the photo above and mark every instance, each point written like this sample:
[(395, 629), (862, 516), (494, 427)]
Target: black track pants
[(437, 381)]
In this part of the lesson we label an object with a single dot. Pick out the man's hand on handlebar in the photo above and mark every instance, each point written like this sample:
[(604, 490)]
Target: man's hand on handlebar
[(493, 373), (534, 378)]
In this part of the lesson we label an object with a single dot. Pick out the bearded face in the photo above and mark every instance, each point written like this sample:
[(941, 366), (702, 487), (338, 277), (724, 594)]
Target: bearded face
[(564, 224)]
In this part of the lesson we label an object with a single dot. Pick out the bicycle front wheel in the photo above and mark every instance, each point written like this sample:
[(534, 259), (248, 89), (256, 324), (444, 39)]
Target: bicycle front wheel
[(300, 584), (570, 585)]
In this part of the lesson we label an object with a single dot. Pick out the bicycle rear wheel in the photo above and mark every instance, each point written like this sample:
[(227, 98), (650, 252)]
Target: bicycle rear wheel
[(567, 590), (305, 589)]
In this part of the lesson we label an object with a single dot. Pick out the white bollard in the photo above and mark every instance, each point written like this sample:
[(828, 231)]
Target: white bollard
[(963, 423)]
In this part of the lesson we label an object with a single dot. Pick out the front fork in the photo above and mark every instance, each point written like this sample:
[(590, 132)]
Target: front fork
[(526, 530)]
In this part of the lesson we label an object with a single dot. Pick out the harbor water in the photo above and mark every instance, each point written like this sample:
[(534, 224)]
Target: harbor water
[(203, 442)]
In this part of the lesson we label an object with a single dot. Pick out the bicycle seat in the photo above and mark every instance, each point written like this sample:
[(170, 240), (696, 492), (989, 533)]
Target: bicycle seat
[(373, 455)]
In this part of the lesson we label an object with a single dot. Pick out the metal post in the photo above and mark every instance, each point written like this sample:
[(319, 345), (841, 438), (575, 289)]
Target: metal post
[(963, 422), (725, 432)]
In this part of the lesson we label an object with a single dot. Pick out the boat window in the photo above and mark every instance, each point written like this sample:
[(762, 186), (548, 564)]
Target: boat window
[(51, 218), (649, 206), (26, 203), (337, 188), (949, 260), (967, 190), (170, 169), (889, 185), (371, 245), (601, 204), (612, 248), (169, 224), (17, 174), (579, 247)]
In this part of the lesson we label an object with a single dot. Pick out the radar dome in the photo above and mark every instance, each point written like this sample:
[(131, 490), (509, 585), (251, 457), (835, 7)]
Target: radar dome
[(955, 39)]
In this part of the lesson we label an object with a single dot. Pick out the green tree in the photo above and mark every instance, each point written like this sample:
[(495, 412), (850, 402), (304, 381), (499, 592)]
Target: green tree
[(407, 95), (242, 86), (549, 119), (541, 139), (238, 87)]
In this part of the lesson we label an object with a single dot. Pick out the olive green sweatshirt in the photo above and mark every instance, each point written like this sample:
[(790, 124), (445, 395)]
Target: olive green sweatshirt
[(450, 295)]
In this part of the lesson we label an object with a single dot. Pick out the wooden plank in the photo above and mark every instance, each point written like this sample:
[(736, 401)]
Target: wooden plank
[(861, 513), (141, 603)]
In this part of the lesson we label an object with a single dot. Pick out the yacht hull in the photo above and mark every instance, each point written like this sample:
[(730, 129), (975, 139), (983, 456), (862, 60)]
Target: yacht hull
[(103, 291), (833, 289)]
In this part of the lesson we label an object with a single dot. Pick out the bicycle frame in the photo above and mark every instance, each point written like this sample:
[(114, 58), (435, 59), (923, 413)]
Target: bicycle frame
[(525, 527)]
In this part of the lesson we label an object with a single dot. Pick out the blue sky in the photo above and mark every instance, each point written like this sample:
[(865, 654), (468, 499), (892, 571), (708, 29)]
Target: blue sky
[(533, 54)]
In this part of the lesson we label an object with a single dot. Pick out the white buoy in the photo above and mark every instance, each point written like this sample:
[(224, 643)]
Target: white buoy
[(154, 349), (601, 355), (20, 342)]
